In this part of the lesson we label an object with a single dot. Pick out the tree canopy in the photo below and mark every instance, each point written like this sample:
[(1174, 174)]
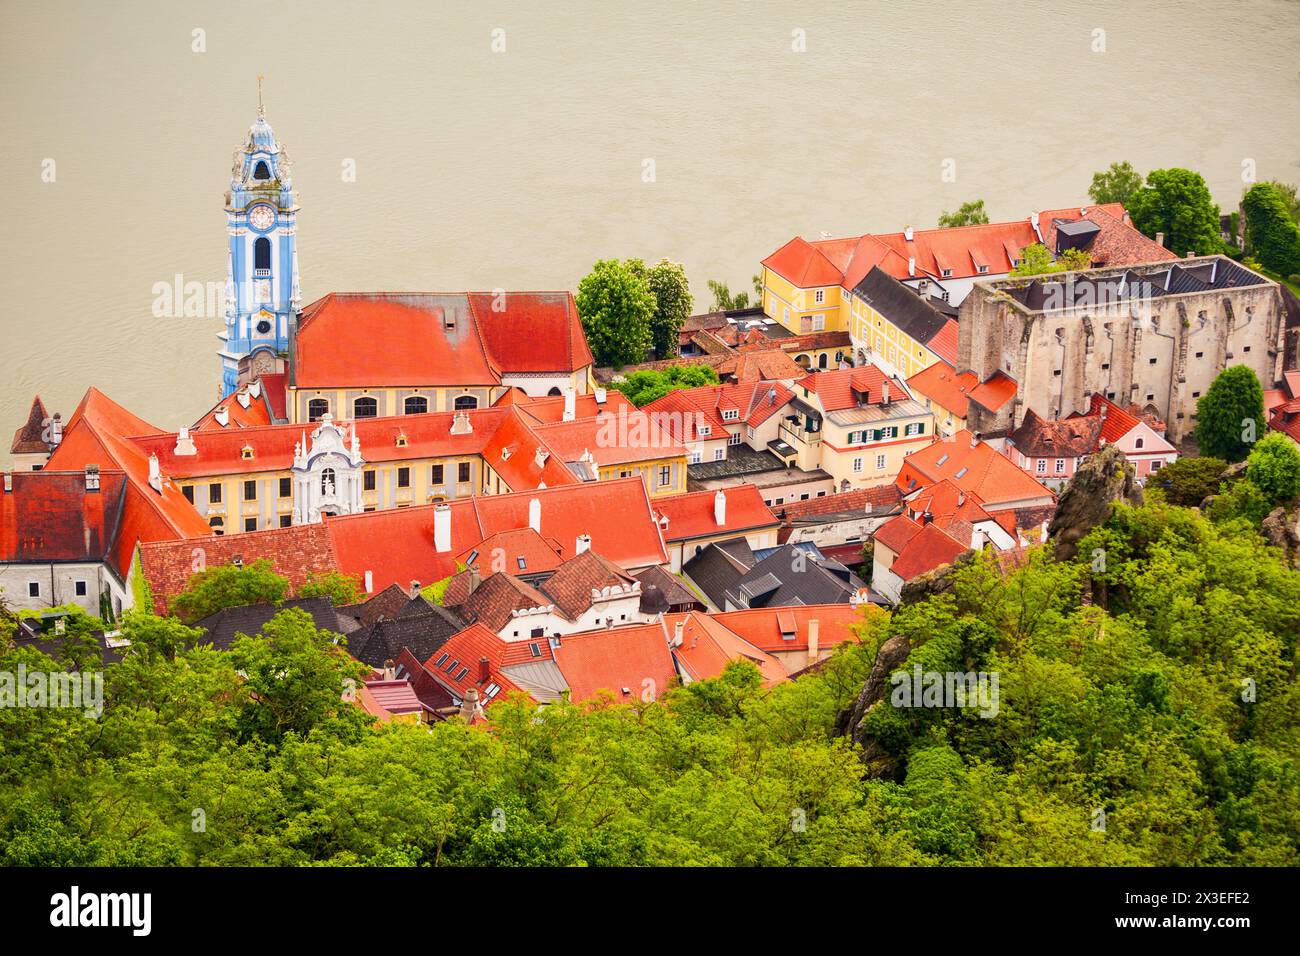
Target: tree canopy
[(1118, 184), (616, 306), (1036, 260), (645, 385), (1230, 415), (1272, 235), (968, 214), (1177, 202), (673, 303)]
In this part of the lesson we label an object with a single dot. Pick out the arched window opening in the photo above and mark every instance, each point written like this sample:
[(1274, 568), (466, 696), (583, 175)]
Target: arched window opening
[(327, 481), (365, 407), (466, 402), (416, 405), (555, 391), (317, 408), (261, 170), (262, 254)]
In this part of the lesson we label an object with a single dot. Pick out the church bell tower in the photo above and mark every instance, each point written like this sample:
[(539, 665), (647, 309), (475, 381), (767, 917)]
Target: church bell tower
[(262, 293)]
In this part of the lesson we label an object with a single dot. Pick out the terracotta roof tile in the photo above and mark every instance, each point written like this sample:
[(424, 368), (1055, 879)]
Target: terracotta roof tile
[(28, 439)]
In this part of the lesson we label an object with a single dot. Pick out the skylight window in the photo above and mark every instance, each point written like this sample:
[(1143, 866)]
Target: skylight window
[(535, 650), (473, 556), (461, 675), (943, 459), (522, 563), (962, 472), (452, 666), (441, 660)]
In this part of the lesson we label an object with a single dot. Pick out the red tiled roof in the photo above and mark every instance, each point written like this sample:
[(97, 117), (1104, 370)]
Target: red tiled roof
[(638, 437), (843, 388), (462, 668), (708, 646), (786, 629), (693, 516), (505, 550), (930, 548), (49, 516), (896, 532), (961, 249), (944, 343), (371, 340), (539, 411), (531, 331), (296, 552), (635, 658), (853, 500), (570, 587), (980, 469), (492, 602), (28, 440), (953, 392), (763, 365), (684, 410), (268, 405), (1117, 422), (1074, 437)]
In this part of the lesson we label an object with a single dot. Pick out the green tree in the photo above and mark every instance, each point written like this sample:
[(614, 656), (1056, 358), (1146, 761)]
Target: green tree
[(616, 306), (1290, 194), (1272, 235), (1118, 184), (1037, 260), (725, 301), (338, 587), (673, 303), (968, 214), (229, 585), (1177, 203), (646, 385), (297, 676), (1230, 415), (1189, 481), (1274, 467)]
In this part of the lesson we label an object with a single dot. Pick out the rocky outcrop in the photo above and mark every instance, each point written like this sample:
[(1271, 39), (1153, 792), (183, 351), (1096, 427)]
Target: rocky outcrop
[(1101, 481), (891, 656), (1281, 529)]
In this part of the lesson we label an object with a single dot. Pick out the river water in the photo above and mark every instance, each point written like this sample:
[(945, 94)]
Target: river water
[(499, 145)]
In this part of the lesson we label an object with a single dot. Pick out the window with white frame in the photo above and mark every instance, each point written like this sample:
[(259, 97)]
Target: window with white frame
[(734, 439), (719, 454), (1060, 466), (819, 296), (880, 462), (705, 430), (819, 323), (857, 466), (695, 458), (730, 414), (1042, 466)]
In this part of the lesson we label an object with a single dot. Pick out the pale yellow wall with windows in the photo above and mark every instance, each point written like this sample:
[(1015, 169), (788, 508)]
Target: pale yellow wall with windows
[(650, 472), (788, 304), (870, 329), (838, 455), (389, 401)]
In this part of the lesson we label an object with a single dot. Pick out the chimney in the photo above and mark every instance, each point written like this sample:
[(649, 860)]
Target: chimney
[(570, 404), (1191, 254), (814, 642), (184, 443), (1033, 219), (369, 581), (961, 498), (535, 515), (469, 707), (583, 544), (884, 392), (92, 477), (242, 397), (926, 517), (974, 440), (720, 509), (600, 396), (475, 579), (155, 474), (911, 265), (541, 456), (9, 482), (907, 233), (390, 670), (1160, 238), (484, 670), (978, 539), (460, 424), (415, 589), (255, 389), (442, 528), (222, 416), (56, 430), (771, 396), (679, 633)]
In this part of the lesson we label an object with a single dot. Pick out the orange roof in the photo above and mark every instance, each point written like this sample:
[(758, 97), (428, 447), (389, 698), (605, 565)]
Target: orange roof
[(539, 411), (972, 467), (786, 629), (953, 391), (684, 410), (48, 516), (708, 646), (635, 437), (692, 515), (930, 548), (632, 663), (531, 331), (517, 551), (371, 340), (462, 668), (266, 403), (896, 532), (944, 343), (846, 387), (961, 249)]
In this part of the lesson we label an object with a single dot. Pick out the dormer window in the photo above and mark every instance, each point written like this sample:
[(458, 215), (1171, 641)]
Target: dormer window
[(705, 431), (730, 414), (247, 453), (401, 441), (983, 269), (946, 273)]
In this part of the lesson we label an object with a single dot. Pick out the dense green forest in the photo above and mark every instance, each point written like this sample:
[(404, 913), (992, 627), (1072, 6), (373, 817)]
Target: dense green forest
[(1149, 711)]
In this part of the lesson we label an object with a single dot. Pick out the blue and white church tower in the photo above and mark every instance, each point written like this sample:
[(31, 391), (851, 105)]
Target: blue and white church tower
[(262, 294)]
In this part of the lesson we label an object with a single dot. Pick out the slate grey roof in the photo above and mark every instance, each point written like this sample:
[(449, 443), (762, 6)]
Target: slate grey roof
[(901, 305), (421, 633), (792, 576), (719, 566), (667, 585)]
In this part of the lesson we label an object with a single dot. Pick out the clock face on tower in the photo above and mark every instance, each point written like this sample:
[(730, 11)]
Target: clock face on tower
[(261, 218)]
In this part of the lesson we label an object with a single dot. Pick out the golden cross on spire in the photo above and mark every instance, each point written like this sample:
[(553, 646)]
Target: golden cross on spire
[(261, 114)]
